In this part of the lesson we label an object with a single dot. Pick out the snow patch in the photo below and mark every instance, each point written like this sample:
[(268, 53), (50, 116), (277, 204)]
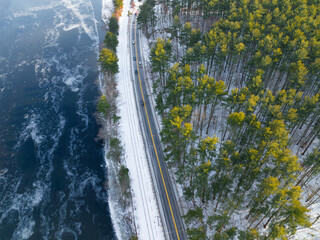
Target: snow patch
[(107, 10)]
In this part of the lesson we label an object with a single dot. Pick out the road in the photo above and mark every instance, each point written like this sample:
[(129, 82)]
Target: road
[(170, 214)]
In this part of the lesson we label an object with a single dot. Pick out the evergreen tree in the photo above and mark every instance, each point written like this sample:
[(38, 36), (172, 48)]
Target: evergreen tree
[(114, 26), (160, 57), (103, 106), (111, 41), (109, 61), (147, 15)]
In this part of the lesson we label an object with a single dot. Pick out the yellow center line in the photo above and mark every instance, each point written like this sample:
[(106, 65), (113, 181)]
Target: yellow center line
[(154, 146)]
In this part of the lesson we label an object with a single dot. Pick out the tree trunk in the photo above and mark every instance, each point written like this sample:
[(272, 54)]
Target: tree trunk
[(315, 135), (203, 118), (211, 114)]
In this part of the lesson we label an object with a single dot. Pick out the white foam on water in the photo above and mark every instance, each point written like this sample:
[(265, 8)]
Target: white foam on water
[(82, 109), (30, 129), (79, 179), (63, 210), (59, 234), (52, 35), (42, 68), (23, 204), (25, 8), (70, 14), (3, 172), (24, 232), (83, 12), (73, 77), (37, 195), (22, 63), (70, 27)]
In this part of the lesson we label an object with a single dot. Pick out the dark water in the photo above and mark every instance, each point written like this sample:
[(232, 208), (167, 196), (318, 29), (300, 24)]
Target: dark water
[(52, 170)]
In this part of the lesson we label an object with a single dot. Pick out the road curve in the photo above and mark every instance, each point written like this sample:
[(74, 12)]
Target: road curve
[(171, 218)]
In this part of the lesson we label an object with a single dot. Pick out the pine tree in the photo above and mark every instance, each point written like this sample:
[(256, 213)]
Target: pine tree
[(111, 41), (160, 57), (175, 32), (103, 106), (109, 61), (147, 15), (114, 26)]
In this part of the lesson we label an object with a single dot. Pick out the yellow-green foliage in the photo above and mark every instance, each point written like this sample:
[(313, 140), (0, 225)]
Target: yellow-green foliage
[(109, 60), (236, 118)]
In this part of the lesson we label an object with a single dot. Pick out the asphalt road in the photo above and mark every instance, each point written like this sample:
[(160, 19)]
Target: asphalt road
[(170, 212)]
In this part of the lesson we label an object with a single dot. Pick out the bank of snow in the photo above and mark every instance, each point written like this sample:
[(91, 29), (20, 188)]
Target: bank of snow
[(118, 213), (146, 211)]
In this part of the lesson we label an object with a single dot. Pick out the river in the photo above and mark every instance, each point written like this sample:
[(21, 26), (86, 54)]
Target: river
[(52, 170)]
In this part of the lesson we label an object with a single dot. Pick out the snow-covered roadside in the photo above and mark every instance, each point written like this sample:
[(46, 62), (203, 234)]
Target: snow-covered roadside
[(145, 46), (119, 215), (146, 212)]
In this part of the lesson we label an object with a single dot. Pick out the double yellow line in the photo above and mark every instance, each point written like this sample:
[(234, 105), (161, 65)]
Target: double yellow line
[(154, 146)]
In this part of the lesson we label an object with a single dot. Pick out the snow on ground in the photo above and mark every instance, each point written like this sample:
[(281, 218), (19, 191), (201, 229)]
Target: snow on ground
[(145, 47), (314, 231), (145, 206), (107, 10), (106, 13), (115, 209)]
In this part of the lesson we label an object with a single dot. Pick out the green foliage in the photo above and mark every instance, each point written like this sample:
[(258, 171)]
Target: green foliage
[(196, 234), (111, 41), (312, 160), (175, 27), (189, 35), (256, 85), (278, 232), (118, 4), (134, 238), (147, 15), (251, 234), (236, 118), (109, 61), (269, 185), (225, 235), (114, 26), (160, 55), (103, 106), (124, 176), (298, 72), (193, 215), (115, 150)]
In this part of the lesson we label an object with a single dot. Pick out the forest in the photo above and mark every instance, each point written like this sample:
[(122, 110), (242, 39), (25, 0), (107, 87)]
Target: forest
[(237, 89)]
